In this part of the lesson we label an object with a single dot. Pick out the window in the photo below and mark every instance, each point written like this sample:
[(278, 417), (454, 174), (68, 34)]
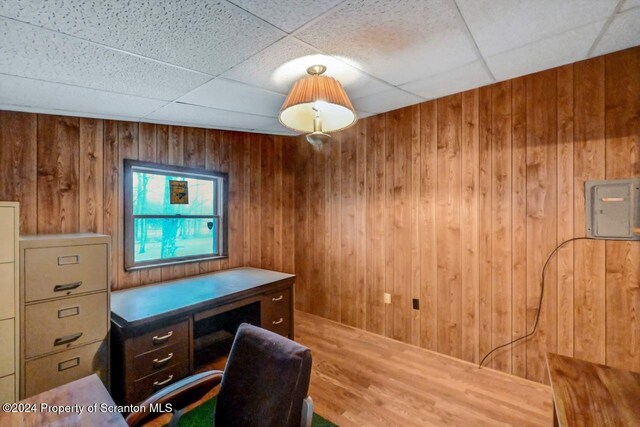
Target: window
[(173, 214)]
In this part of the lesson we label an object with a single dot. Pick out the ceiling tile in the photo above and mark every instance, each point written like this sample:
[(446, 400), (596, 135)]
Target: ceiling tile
[(623, 32), (204, 35), (193, 114), (32, 52), (466, 77), (19, 91), (628, 4), (388, 100), (501, 25), (397, 41), (230, 95), (552, 52), (287, 14), (279, 66)]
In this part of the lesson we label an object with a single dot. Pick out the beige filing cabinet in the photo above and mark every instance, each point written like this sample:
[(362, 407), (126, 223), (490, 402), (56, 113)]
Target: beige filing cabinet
[(9, 306), (64, 294)]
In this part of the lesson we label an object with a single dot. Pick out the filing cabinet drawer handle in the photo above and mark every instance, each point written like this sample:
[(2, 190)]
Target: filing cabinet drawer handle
[(67, 287), (67, 340), (163, 383), (161, 362), (277, 299), (68, 312), (277, 322), (69, 260), (160, 340), (68, 364)]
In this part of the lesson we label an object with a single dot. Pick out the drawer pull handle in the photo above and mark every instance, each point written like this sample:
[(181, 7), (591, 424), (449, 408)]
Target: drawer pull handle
[(277, 322), (161, 340), (68, 312), (69, 260), (163, 383), (67, 287), (68, 364), (161, 362), (67, 340), (277, 299)]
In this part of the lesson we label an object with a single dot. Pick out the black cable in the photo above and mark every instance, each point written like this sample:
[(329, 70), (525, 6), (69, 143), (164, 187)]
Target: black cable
[(539, 309)]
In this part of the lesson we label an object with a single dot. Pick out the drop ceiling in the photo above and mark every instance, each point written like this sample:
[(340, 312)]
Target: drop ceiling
[(230, 64)]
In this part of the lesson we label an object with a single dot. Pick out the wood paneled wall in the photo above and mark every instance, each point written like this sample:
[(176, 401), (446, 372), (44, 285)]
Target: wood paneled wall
[(458, 202), (67, 174)]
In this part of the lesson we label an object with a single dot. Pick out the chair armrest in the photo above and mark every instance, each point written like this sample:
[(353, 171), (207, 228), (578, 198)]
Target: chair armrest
[(179, 394)]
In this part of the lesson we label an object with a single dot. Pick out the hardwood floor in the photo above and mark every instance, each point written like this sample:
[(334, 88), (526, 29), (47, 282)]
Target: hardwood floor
[(364, 379), (360, 378)]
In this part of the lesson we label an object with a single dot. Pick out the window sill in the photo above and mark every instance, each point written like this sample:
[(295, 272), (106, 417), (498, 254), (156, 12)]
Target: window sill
[(155, 264)]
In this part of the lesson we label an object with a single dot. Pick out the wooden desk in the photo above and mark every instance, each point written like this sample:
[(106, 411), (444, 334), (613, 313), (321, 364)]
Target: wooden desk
[(159, 331), (588, 394), (85, 392)]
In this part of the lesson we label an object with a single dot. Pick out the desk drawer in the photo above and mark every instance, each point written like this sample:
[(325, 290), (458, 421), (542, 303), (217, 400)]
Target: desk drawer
[(61, 368), (68, 322), (156, 360), (64, 270), (145, 387), (276, 311), (177, 333)]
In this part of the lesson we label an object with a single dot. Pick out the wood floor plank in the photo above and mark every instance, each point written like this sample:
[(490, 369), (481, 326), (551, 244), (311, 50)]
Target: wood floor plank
[(360, 378)]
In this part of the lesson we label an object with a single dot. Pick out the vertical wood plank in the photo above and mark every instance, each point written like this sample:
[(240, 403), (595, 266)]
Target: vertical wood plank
[(91, 175), (565, 209), (541, 216), (18, 165), (255, 203), (622, 153), (427, 214), (470, 152), (484, 222), (266, 206), (348, 300), (519, 224), (501, 225), (58, 148), (448, 233), (128, 149), (589, 257), (111, 195)]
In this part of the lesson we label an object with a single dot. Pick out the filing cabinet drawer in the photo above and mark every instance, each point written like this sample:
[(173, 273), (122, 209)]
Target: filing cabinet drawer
[(156, 360), (65, 270), (7, 347), (177, 333), (7, 225), (8, 389), (145, 387), (51, 371), (276, 311), (7, 290), (70, 322)]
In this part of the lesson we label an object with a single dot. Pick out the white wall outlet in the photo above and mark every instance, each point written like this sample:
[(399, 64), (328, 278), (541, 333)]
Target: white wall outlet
[(387, 298)]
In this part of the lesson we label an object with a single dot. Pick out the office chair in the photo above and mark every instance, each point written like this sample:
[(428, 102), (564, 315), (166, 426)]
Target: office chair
[(264, 384)]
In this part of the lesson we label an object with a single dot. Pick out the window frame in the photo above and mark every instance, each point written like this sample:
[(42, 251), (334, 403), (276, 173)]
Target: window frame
[(129, 165)]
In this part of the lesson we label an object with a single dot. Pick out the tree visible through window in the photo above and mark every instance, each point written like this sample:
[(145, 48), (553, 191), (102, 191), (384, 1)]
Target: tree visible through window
[(160, 229)]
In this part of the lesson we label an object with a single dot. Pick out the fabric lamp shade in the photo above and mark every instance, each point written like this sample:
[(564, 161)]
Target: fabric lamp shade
[(317, 94)]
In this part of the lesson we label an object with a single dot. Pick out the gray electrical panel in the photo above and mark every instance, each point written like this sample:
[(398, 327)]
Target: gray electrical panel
[(613, 209)]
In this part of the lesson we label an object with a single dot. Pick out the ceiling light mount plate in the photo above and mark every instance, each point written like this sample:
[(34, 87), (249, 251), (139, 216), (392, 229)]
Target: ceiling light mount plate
[(316, 70)]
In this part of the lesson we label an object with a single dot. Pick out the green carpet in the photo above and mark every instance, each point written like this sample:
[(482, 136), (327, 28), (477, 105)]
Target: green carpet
[(202, 416)]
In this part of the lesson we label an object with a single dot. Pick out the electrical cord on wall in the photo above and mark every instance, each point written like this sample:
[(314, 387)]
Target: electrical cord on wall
[(539, 309)]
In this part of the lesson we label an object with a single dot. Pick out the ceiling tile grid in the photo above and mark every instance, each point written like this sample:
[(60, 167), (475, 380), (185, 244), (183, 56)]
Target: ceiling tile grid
[(229, 64)]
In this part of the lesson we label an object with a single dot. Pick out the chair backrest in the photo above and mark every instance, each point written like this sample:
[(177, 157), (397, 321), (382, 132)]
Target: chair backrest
[(265, 380)]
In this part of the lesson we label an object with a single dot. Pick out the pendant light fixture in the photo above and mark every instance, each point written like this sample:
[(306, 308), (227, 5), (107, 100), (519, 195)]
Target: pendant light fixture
[(317, 104)]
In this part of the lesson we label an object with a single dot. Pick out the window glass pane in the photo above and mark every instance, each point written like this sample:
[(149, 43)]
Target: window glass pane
[(151, 195), (170, 238)]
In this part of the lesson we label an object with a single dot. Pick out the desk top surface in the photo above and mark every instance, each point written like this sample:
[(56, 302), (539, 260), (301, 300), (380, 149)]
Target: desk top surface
[(145, 303), (85, 392), (586, 393)]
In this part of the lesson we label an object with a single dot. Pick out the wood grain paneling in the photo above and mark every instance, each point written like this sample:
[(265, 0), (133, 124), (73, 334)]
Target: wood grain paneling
[(67, 174), (464, 198)]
